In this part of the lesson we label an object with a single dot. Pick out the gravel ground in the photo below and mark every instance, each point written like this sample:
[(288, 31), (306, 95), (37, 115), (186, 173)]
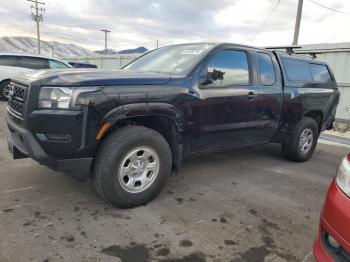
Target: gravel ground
[(248, 205)]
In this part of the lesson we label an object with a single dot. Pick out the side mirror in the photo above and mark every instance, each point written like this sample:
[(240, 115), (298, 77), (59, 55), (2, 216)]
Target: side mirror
[(204, 81), (210, 77), (216, 75)]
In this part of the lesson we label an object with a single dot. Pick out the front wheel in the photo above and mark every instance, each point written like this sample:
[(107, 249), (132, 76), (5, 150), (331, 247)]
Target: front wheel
[(303, 142), (132, 166)]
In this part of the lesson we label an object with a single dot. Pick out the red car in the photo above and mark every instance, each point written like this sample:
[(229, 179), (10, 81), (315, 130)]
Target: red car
[(333, 241)]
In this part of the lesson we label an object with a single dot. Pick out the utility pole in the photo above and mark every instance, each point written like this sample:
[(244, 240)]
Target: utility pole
[(37, 16), (297, 22), (106, 31)]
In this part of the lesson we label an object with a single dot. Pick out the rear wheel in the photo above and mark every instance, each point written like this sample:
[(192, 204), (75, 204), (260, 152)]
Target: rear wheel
[(303, 142), (4, 90), (132, 166)]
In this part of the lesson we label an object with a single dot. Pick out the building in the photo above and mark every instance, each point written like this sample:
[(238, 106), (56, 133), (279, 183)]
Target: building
[(338, 57)]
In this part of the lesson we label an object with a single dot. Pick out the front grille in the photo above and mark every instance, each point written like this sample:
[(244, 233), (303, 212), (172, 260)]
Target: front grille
[(18, 94), (17, 106)]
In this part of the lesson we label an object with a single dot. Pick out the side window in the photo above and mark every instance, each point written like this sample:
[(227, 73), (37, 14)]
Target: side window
[(320, 73), (266, 69), (227, 67), (56, 64), (7, 60), (297, 70), (33, 63)]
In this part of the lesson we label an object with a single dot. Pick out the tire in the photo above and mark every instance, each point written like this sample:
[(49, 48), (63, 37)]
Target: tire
[(3, 85), (300, 148), (117, 178)]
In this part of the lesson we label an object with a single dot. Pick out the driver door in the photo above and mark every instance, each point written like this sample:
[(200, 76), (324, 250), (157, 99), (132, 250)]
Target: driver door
[(222, 115)]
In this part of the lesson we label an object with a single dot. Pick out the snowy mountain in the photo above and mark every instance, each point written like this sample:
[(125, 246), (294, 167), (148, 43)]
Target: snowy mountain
[(28, 45), (107, 52), (138, 50)]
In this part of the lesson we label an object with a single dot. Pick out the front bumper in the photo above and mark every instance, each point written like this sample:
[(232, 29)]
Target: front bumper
[(22, 143), (335, 219), (320, 252)]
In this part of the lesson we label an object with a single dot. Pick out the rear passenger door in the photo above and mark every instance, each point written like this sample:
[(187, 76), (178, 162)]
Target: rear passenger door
[(267, 97)]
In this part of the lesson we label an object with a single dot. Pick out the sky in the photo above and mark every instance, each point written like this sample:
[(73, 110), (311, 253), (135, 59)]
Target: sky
[(141, 23)]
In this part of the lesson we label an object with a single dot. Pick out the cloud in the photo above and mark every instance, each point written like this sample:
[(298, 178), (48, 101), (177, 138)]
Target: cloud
[(140, 22)]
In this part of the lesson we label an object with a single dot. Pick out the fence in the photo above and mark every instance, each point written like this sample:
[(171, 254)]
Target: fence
[(107, 62)]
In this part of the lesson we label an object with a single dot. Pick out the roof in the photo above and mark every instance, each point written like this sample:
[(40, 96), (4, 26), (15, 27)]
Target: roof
[(215, 44), (279, 49), (30, 55)]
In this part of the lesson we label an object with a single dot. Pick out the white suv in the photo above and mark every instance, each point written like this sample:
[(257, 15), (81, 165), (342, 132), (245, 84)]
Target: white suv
[(14, 64)]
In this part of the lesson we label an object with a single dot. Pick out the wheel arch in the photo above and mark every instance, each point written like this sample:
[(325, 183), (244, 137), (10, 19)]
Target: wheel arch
[(316, 115), (164, 118), (4, 80), (145, 110), (291, 120)]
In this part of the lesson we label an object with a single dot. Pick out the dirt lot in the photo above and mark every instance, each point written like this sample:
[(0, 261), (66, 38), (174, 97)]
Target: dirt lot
[(248, 205)]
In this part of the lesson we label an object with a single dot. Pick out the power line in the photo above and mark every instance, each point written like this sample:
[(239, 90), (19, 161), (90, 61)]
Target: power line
[(330, 9), (194, 10), (266, 19), (338, 34), (61, 35), (37, 16), (183, 10)]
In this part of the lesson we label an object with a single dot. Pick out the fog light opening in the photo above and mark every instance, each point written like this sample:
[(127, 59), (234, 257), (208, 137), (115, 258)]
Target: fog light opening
[(332, 242)]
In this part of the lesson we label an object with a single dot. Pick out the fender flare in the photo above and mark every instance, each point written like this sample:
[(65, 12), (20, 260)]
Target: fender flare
[(146, 109)]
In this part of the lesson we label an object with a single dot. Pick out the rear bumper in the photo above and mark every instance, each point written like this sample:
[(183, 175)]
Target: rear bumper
[(22, 144), (335, 219)]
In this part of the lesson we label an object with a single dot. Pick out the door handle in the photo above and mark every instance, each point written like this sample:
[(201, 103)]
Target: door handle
[(251, 96)]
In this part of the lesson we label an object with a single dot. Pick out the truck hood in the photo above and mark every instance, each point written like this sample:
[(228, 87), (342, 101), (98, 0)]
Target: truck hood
[(93, 77)]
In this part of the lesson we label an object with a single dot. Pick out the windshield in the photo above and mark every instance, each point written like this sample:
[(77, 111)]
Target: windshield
[(176, 60)]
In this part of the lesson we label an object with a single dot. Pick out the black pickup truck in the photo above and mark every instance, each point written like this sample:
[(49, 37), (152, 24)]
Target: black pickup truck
[(128, 128)]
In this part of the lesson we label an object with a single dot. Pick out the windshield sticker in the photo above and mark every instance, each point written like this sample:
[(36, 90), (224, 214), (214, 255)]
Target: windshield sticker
[(191, 52)]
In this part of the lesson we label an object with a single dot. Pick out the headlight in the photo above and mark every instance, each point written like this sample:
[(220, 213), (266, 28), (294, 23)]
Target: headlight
[(61, 97), (55, 97), (343, 175)]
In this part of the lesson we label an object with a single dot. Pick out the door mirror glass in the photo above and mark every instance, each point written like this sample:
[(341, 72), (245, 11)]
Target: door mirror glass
[(205, 81)]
